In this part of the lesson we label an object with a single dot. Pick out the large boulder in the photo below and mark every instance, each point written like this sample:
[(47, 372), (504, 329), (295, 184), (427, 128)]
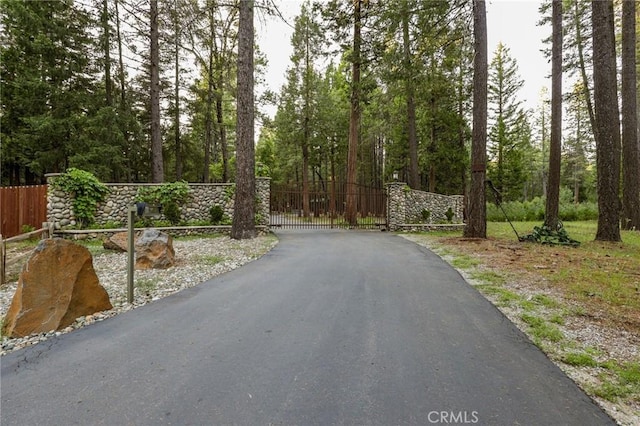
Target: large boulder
[(118, 242), (57, 285), (154, 249)]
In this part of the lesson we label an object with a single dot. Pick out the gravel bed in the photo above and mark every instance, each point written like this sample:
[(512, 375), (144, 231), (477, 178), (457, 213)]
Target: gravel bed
[(197, 260)]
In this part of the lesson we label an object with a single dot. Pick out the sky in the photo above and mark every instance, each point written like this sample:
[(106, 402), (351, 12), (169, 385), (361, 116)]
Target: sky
[(511, 21)]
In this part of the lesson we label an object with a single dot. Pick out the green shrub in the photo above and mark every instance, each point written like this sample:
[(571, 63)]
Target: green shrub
[(449, 213), (216, 214), (169, 195), (533, 211), (172, 212), (426, 215), (27, 228), (262, 170), (229, 192), (87, 191), (175, 192)]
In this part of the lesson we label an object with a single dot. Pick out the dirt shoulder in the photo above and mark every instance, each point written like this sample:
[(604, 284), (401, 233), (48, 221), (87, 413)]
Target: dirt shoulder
[(592, 336)]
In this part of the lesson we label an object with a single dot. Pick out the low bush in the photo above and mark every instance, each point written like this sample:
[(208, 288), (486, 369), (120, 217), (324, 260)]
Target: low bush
[(533, 211), (216, 214)]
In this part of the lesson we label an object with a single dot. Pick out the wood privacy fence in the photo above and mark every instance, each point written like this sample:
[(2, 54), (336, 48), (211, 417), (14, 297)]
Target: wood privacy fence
[(22, 205)]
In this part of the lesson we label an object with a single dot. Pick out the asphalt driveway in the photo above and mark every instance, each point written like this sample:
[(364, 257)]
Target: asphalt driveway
[(330, 327)]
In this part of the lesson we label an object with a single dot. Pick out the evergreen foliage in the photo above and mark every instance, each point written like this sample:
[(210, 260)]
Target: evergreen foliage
[(76, 94), (510, 133)]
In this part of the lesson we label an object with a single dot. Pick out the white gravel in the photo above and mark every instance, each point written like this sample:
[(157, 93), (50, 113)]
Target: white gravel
[(197, 260)]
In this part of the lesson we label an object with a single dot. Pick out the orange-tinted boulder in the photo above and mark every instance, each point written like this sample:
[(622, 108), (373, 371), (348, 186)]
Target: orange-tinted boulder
[(154, 249), (57, 285)]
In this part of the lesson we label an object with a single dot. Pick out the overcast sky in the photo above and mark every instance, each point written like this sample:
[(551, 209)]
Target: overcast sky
[(511, 21)]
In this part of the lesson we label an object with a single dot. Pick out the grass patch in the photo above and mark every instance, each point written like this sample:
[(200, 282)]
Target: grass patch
[(145, 285), (557, 319), (544, 300), (579, 359), (620, 382), (441, 233), (210, 260), (94, 246), (488, 277), (503, 296), (30, 243), (464, 262), (541, 329)]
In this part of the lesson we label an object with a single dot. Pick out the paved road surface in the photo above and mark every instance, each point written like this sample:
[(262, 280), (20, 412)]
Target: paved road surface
[(333, 327)]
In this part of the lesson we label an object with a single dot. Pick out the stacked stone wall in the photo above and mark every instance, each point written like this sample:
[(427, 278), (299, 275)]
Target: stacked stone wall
[(408, 208), (114, 209)]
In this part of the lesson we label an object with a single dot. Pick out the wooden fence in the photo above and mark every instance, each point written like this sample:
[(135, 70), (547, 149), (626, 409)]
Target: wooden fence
[(41, 233), (20, 206)]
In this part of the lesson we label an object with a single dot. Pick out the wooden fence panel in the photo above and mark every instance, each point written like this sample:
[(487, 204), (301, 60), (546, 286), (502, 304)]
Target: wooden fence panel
[(22, 205)]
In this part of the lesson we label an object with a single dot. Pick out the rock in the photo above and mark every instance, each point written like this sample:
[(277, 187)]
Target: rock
[(57, 285), (154, 250), (118, 241)]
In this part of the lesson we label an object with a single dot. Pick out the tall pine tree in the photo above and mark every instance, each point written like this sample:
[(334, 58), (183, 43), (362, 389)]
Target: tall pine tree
[(510, 133)]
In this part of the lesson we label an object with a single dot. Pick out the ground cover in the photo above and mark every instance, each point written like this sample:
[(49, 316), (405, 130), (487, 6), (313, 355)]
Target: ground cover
[(579, 305)]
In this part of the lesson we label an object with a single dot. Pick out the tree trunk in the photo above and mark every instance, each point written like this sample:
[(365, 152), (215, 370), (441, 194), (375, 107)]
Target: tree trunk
[(108, 86), (121, 77), (222, 133), (583, 68), (306, 132), (544, 174), (607, 131), (244, 209), (553, 191), (477, 212), (157, 166), (432, 147), (176, 46), (354, 121), (208, 122), (461, 129), (123, 96), (414, 170), (630, 147)]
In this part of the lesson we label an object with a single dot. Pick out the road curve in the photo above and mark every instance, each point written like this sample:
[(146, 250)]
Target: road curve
[(329, 328)]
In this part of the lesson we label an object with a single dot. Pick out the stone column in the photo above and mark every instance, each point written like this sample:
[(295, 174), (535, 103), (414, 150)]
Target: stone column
[(396, 207), (458, 208), (59, 205), (263, 198)]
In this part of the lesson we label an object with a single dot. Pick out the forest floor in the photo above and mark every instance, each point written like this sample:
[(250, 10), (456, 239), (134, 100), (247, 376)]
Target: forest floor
[(580, 305)]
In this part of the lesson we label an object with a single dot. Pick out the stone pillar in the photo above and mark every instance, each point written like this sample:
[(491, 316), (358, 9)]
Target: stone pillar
[(59, 204), (458, 208), (263, 199), (396, 207)]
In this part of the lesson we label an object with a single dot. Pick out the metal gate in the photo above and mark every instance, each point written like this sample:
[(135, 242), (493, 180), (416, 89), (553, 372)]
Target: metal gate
[(326, 207)]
